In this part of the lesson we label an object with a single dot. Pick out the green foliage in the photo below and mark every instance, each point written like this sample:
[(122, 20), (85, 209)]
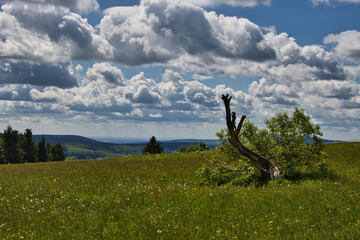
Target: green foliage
[(159, 197), (42, 150), (195, 148), (29, 147), (18, 147), (71, 158), (12, 152), (55, 153), (2, 160), (153, 147), (182, 149), (291, 142)]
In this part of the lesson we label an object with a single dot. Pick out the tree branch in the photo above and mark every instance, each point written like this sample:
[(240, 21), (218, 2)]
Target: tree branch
[(263, 163)]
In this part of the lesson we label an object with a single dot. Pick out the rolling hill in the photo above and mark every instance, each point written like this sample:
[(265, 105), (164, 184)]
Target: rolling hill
[(87, 148)]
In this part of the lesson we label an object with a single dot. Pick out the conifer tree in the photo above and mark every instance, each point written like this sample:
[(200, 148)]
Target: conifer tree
[(29, 147), (153, 147), (42, 151), (1, 149), (11, 150), (57, 153)]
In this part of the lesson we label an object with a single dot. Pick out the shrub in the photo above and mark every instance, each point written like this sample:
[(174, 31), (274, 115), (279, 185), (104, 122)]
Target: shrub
[(293, 143)]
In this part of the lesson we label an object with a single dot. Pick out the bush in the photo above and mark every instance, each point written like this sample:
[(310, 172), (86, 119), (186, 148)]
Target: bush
[(291, 142)]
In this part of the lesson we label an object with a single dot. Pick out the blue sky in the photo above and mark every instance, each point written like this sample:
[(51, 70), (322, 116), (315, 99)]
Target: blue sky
[(159, 67)]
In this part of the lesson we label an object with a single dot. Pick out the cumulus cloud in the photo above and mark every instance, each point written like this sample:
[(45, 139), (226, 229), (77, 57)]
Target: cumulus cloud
[(160, 31), (64, 29), (17, 42), (172, 99), (39, 74), (330, 2), (241, 3), (174, 34), (105, 72), (347, 44), (38, 45), (105, 96), (81, 5), (310, 62)]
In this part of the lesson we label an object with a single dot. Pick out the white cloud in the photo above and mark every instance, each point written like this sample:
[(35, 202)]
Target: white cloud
[(17, 42), (38, 74), (330, 2), (241, 3), (84, 6), (160, 31), (39, 41), (329, 102), (105, 72), (53, 33), (173, 34), (347, 44)]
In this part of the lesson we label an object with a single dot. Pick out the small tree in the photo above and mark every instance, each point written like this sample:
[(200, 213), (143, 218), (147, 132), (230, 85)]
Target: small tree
[(195, 148), (182, 149), (57, 153), (28, 146), (12, 152), (42, 151), (153, 147), (1, 149), (201, 147), (290, 144)]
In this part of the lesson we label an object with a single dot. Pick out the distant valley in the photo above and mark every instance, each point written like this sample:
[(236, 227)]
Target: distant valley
[(87, 148)]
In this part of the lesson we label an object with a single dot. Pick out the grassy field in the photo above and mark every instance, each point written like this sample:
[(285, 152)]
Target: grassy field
[(159, 197)]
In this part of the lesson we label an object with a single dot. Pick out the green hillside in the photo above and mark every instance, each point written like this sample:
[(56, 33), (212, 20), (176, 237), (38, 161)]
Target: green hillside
[(159, 197), (86, 148)]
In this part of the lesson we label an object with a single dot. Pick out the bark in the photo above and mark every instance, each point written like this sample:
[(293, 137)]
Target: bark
[(265, 165)]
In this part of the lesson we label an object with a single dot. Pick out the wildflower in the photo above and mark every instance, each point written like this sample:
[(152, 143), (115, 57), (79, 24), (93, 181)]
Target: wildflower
[(159, 231)]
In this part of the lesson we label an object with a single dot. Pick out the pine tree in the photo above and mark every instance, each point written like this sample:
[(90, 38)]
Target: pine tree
[(42, 151), (57, 153), (29, 147), (11, 150), (1, 149), (153, 147)]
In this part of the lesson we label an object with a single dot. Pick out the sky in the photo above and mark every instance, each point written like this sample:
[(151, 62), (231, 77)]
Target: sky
[(134, 69)]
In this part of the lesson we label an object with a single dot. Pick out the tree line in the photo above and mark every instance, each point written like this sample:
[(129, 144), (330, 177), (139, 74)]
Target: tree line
[(18, 147)]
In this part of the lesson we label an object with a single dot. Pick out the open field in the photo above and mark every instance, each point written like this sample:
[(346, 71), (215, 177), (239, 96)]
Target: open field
[(159, 197)]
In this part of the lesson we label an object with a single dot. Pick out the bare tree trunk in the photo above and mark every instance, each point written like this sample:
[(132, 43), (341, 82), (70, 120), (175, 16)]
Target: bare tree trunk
[(263, 163)]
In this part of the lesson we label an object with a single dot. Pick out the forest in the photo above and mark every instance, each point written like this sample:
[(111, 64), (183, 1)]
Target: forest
[(16, 147)]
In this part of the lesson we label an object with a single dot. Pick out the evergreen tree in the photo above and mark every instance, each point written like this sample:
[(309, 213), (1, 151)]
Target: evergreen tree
[(11, 150), (42, 151), (57, 153), (50, 157), (1, 149), (29, 147), (153, 147), (202, 147)]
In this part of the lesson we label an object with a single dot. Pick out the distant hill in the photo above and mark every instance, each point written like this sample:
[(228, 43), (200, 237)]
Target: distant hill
[(87, 148)]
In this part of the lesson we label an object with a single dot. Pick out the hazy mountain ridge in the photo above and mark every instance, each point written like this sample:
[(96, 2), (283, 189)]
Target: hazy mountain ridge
[(88, 148)]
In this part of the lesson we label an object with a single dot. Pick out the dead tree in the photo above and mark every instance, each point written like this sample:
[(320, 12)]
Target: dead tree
[(265, 165)]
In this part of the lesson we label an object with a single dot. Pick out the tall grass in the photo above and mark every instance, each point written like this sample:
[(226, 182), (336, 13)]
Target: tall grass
[(159, 197)]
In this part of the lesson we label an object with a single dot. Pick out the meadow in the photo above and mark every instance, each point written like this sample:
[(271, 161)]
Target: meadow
[(160, 197)]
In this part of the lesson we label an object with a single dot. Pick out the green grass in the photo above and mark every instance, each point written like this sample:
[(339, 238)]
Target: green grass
[(159, 197)]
